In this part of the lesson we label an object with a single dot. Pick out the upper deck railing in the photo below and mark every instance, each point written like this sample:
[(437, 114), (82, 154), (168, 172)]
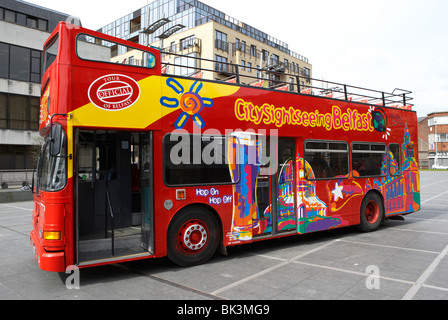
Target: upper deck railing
[(222, 71), (273, 75)]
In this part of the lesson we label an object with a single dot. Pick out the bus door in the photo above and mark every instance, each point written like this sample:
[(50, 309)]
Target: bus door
[(114, 195), (286, 186), (275, 191)]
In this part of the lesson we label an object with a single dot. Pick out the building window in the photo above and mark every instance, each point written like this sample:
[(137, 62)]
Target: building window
[(19, 63), (31, 22), (36, 58), (43, 25), (4, 60), (221, 63), (265, 56), (307, 72), (13, 157), (3, 111), (442, 137), (253, 51), (437, 121), (187, 42), (23, 19), (10, 16), (19, 112), (186, 65), (34, 113), (221, 41)]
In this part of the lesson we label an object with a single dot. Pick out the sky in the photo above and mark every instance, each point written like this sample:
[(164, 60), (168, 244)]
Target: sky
[(376, 44)]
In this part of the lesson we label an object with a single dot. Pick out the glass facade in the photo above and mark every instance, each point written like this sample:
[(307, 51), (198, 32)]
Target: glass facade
[(189, 13)]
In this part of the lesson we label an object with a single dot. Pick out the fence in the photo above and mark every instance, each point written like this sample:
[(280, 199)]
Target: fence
[(15, 178)]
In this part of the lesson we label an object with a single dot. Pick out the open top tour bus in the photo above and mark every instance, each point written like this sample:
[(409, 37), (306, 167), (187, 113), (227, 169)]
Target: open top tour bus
[(146, 159)]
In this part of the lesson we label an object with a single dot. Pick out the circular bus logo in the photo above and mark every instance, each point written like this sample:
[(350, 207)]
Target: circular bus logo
[(114, 92), (379, 120)]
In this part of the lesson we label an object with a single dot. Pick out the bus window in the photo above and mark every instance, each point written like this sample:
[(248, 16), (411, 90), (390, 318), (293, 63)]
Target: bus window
[(368, 159), (328, 159), (97, 49), (394, 160), (52, 170), (51, 53), (197, 160)]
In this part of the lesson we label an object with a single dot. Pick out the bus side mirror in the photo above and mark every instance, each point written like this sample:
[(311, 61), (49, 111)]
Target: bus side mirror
[(56, 140)]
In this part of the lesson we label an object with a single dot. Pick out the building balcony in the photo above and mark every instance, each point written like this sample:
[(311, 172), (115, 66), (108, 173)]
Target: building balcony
[(136, 28), (185, 47), (222, 45), (224, 68)]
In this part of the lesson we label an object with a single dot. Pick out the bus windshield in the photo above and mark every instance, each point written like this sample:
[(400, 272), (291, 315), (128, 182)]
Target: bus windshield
[(52, 170)]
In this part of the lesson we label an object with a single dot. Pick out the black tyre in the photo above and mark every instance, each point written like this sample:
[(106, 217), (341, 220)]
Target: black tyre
[(193, 237), (372, 213)]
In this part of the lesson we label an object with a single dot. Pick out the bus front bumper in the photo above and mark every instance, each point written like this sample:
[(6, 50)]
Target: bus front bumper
[(48, 261)]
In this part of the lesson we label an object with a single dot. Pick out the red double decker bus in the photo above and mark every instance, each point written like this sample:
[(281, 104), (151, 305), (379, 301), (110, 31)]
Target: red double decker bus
[(142, 163)]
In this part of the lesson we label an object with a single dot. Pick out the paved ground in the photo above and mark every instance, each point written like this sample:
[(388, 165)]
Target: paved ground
[(410, 257)]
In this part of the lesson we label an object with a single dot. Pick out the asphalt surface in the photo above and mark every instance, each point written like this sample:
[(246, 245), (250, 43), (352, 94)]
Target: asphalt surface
[(404, 260)]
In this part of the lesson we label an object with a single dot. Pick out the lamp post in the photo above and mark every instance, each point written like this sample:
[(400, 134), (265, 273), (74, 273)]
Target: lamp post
[(435, 138)]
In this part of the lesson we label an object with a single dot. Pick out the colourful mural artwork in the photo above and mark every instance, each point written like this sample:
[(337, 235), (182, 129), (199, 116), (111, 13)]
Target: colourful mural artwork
[(401, 192), (245, 164), (304, 204), (318, 208), (286, 216), (341, 191), (190, 102), (313, 212)]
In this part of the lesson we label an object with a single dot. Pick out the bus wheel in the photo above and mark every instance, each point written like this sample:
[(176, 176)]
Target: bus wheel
[(193, 237), (372, 213)]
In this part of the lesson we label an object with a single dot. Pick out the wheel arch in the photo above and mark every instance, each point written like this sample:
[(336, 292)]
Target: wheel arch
[(187, 210), (210, 209)]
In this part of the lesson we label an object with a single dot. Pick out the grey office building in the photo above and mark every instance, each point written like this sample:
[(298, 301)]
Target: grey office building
[(24, 27)]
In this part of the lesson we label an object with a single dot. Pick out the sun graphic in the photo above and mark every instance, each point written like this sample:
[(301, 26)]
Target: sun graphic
[(190, 102)]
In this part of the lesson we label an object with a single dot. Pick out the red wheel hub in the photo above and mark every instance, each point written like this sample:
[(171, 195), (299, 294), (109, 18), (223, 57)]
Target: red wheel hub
[(193, 236), (372, 212)]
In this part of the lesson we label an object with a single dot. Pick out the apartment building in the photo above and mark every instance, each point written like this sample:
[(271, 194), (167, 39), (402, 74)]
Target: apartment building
[(423, 146), (196, 30), (24, 29), (438, 139)]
